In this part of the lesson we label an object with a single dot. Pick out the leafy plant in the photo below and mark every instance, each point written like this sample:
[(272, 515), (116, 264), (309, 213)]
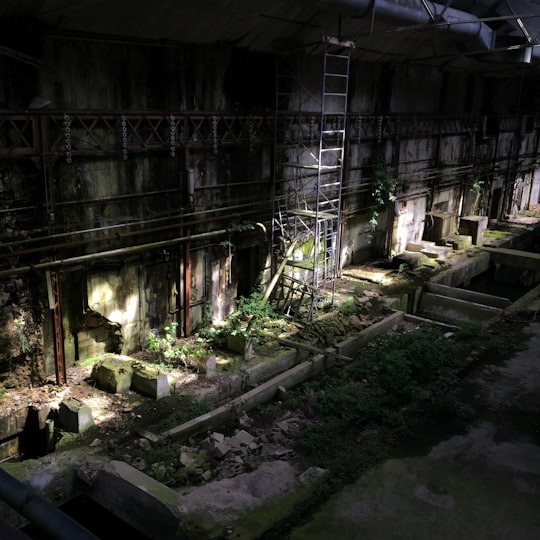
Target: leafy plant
[(23, 339), (478, 189), (383, 189), (186, 353), (251, 315), (390, 383)]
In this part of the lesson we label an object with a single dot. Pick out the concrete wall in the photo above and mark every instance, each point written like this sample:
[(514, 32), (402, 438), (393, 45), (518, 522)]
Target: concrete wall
[(397, 111)]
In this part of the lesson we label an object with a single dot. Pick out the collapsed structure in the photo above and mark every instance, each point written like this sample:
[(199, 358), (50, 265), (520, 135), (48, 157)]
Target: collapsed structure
[(157, 163)]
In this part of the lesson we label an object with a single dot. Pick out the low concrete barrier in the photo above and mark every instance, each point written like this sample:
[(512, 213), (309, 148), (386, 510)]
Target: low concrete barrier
[(265, 392), (446, 309), (350, 345), (285, 380), (469, 296), (524, 260)]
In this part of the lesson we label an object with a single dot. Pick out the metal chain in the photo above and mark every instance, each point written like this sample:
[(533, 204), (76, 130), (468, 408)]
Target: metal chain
[(214, 134), (67, 137), (172, 135), (123, 123)]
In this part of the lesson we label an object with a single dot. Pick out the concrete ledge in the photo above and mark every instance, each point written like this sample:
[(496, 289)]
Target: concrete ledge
[(249, 400), (150, 383), (14, 423), (514, 258), (463, 270), (147, 505), (446, 309), (530, 301), (422, 320), (469, 296), (350, 345)]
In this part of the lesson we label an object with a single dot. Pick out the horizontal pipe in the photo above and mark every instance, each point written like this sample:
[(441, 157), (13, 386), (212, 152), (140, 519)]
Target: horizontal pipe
[(55, 524), (105, 200), (68, 245), (110, 253), (460, 23)]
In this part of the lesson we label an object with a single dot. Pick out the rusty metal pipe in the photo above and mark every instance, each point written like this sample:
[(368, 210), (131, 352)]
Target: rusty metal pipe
[(110, 253), (128, 234)]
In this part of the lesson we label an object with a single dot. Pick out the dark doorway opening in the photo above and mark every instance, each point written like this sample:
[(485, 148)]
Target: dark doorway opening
[(495, 203), (248, 268)]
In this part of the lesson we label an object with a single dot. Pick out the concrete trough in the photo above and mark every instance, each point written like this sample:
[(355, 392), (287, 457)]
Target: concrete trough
[(447, 309), (147, 505), (514, 258), (247, 401), (350, 346), (272, 387), (469, 296)]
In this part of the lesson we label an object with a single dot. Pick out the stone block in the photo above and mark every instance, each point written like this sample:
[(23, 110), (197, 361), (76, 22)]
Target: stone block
[(113, 374), (474, 226), (13, 423), (242, 438), (210, 365), (74, 416), (458, 241), (439, 225), (150, 383), (415, 246)]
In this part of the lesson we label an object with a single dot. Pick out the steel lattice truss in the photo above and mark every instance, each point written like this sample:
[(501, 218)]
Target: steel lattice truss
[(74, 134)]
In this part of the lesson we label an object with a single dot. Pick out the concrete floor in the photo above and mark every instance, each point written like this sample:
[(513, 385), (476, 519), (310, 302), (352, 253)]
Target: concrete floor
[(482, 483)]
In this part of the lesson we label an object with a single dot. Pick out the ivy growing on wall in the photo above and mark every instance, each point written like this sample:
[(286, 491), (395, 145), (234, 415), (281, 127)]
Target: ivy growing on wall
[(480, 197), (383, 189)]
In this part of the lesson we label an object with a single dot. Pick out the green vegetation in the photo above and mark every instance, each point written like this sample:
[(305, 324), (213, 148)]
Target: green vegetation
[(395, 380), (383, 189), (23, 339), (359, 411), (174, 352)]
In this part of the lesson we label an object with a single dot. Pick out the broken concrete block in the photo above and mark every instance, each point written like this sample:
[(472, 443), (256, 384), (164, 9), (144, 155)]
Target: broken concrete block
[(74, 416), (150, 383), (219, 450), (113, 374), (191, 459), (37, 416), (281, 393), (242, 438), (414, 246), (218, 437), (210, 366), (311, 474)]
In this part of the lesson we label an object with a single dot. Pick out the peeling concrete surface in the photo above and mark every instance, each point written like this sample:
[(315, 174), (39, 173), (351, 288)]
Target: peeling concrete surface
[(481, 484)]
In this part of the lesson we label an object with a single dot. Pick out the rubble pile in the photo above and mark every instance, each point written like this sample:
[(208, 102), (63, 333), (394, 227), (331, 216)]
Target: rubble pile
[(218, 456)]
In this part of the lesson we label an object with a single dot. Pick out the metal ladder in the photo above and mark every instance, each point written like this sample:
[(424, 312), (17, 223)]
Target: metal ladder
[(309, 162), (333, 124)]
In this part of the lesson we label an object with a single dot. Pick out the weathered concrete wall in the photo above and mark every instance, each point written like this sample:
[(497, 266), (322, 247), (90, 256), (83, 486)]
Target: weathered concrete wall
[(98, 194)]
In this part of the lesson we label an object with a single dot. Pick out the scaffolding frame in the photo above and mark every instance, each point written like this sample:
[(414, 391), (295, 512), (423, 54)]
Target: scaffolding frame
[(308, 178)]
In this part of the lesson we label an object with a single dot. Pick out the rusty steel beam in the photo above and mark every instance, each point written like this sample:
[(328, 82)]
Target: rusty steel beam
[(58, 328), (53, 277)]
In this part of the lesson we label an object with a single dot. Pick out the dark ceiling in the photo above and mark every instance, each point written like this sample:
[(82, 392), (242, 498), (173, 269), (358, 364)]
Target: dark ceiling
[(476, 36)]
